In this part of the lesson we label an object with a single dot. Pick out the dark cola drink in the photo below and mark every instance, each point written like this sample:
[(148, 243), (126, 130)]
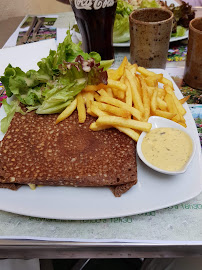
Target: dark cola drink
[(95, 19)]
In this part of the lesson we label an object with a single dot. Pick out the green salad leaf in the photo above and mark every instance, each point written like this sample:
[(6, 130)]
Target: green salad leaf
[(180, 32), (123, 8), (149, 4), (121, 29), (121, 23)]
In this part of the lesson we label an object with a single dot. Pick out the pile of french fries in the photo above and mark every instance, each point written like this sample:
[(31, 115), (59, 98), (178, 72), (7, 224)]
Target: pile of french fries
[(132, 95)]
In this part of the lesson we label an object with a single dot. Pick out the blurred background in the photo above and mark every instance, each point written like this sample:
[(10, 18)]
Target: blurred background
[(15, 8)]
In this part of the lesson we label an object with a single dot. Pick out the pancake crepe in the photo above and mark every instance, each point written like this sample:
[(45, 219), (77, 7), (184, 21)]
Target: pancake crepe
[(35, 150)]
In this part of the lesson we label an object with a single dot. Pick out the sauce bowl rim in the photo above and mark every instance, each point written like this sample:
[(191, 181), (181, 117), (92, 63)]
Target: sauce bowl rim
[(169, 124)]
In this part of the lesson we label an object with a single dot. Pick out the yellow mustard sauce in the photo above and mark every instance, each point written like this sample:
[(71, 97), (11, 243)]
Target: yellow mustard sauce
[(167, 148)]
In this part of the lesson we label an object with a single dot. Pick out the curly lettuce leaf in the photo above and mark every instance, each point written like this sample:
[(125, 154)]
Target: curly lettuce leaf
[(68, 51), (46, 65), (74, 76), (25, 86)]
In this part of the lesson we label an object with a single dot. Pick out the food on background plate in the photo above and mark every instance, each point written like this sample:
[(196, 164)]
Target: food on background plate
[(167, 148), (121, 23), (144, 3), (183, 14)]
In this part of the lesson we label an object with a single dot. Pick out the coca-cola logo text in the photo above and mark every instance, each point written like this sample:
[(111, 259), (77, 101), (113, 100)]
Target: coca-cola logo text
[(93, 4)]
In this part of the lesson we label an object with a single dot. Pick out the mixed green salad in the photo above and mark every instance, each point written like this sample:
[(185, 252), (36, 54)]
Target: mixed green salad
[(182, 15), (60, 77), (121, 23)]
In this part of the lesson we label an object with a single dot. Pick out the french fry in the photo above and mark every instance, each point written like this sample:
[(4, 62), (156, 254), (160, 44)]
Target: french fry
[(89, 98), (147, 73), (135, 94), (133, 68), (137, 80), (128, 123), (121, 95), (109, 92), (153, 80), (122, 79), (146, 100), (111, 74), (67, 112), (178, 104), (112, 109), (182, 124), (172, 107), (183, 100), (32, 186), (154, 101), (161, 104), (167, 82), (97, 112), (103, 92), (161, 93), (118, 72), (97, 127), (118, 93), (182, 119), (136, 113), (130, 132), (129, 100), (81, 108), (150, 91), (158, 77), (89, 111), (165, 114), (116, 84)]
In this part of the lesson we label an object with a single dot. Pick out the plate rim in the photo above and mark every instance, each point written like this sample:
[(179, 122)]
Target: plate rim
[(172, 39)]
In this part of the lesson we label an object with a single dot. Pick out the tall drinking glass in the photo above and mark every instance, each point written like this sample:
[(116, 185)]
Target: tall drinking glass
[(193, 67), (95, 19)]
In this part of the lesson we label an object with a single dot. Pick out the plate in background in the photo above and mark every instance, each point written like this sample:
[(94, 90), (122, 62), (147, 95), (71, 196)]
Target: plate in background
[(172, 39)]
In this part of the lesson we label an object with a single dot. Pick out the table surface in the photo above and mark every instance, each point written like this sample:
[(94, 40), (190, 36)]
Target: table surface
[(170, 232)]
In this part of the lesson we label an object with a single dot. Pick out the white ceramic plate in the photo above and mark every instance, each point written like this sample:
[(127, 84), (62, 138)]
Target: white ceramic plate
[(159, 122), (172, 39), (152, 192)]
